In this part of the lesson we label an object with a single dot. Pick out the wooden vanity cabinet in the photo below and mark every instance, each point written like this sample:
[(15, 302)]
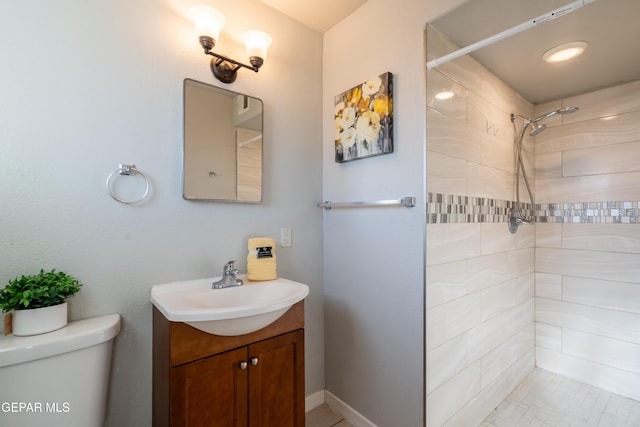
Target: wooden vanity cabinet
[(254, 380)]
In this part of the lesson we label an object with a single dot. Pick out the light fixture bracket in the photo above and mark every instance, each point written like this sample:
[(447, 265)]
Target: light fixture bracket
[(223, 68)]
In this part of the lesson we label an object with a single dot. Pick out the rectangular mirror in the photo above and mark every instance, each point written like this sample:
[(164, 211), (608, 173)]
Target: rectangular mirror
[(222, 144)]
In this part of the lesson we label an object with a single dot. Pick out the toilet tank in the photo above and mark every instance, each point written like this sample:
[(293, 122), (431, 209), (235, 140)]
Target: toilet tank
[(60, 378)]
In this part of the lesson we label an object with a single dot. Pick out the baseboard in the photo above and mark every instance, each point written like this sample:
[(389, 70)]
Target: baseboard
[(313, 400), (354, 417)]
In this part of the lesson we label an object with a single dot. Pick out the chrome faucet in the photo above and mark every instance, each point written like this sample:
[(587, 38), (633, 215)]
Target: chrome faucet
[(229, 277)]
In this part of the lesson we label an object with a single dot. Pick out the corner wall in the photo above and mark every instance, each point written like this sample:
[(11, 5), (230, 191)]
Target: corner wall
[(588, 251), (480, 277)]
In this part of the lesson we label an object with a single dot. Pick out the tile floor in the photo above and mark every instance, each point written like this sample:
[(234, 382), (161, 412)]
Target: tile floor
[(546, 399), (323, 416), (543, 399)]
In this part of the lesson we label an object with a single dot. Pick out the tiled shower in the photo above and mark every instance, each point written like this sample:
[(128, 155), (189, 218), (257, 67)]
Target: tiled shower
[(563, 295)]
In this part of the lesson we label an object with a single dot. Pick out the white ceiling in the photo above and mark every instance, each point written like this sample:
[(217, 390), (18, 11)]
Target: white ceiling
[(319, 15), (609, 26)]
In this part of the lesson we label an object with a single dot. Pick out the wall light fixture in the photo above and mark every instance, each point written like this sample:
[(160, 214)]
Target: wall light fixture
[(208, 23)]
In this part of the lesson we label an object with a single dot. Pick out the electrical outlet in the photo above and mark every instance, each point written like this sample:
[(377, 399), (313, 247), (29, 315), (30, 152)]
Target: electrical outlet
[(285, 237)]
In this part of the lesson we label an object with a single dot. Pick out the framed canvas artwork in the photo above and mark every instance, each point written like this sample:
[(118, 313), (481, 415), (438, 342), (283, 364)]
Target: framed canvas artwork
[(364, 120)]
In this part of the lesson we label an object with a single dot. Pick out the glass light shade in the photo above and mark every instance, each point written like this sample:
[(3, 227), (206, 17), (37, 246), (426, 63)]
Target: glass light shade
[(208, 21), (257, 43)]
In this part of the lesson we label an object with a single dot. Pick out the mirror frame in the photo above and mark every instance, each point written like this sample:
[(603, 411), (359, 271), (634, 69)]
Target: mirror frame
[(231, 94)]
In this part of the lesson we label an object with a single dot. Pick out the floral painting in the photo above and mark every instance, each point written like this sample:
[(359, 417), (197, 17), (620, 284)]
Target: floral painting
[(364, 120)]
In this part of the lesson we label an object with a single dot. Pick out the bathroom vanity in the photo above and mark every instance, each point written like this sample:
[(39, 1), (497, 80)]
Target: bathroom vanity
[(203, 379)]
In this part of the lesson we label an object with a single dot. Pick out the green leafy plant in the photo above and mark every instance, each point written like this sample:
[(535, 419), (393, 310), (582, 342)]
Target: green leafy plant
[(41, 290)]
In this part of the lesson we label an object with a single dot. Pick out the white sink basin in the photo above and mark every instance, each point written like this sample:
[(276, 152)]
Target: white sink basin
[(231, 311)]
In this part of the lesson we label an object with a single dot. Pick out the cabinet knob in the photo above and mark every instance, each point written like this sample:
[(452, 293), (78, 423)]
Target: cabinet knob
[(243, 365), (254, 361)]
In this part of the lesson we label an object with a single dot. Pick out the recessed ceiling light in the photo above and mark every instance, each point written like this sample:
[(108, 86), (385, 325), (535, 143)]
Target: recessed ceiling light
[(444, 95), (564, 52)]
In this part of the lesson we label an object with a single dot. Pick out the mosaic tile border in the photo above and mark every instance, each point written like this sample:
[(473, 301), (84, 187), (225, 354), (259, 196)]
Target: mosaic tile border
[(589, 212), (448, 208)]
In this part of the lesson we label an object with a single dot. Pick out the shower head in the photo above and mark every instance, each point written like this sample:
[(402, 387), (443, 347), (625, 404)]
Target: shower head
[(536, 128), (564, 110)]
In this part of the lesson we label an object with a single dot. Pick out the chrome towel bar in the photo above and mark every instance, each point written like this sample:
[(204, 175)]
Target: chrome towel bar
[(407, 202)]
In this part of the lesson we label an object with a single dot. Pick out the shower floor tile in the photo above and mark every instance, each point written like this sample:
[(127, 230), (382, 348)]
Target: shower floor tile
[(546, 399)]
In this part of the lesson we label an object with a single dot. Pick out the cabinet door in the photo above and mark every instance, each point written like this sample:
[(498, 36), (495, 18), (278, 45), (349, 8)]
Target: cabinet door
[(211, 392), (276, 381)]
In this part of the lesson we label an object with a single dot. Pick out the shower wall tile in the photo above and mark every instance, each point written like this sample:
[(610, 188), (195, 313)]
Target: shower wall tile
[(520, 316), (520, 262), (498, 299), (526, 237), (605, 102), (463, 387), (480, 278), (446, 173), (602, 237), (475, 411), (525, 340), (485, 181), (492, 365), (592, 133), (622, 267), (446, 136), (588, 240), (602, 293), (613, 158), (454, 107), (609, 323), (548, 336), (548, 235), (438, 44), (622, 186), (477, 78), (449, 281), (495, 238), (486, 336), (548, 286), (548, 166), (525, 288), (519, 370), (445, 361), (447, 321), (486, 117), (497, 153), (452, 242), (606, 377), (620, 354)]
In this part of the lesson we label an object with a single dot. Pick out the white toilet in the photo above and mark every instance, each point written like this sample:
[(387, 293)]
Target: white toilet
[(60, 378)]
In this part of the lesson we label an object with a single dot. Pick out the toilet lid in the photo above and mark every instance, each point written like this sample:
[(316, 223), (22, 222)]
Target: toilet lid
[(76, 335)]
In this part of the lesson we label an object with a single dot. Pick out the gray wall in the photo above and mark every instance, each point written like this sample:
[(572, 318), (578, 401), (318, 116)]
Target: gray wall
[(374, 258), (87, 85)]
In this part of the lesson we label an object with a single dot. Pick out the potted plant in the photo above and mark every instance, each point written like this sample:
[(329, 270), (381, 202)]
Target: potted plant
[(38, 302)]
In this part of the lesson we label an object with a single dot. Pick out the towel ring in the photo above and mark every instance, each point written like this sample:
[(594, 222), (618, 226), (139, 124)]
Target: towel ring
[(127, 169)]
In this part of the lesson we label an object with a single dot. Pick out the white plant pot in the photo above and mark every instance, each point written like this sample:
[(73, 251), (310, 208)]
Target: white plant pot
[(37, 321)]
